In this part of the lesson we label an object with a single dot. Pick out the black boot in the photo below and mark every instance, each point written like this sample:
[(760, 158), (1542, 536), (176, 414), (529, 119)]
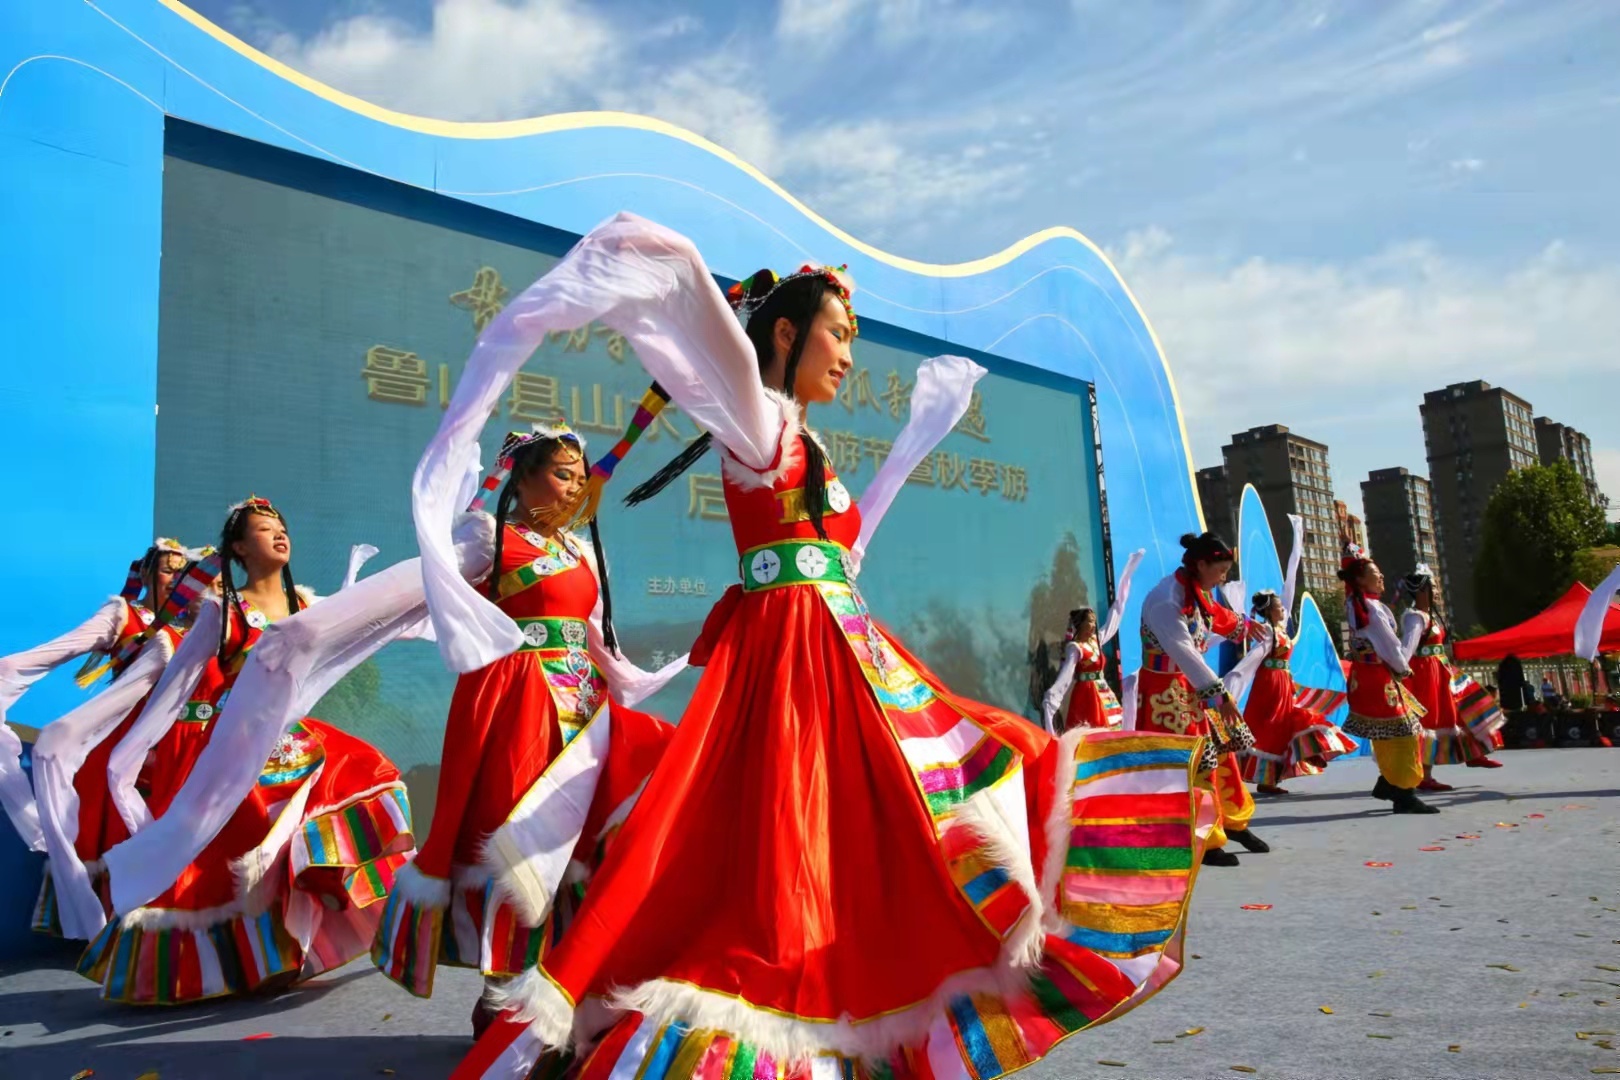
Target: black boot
[(1384, 790), (1250, 841), (1408, 803), (1219, 857)]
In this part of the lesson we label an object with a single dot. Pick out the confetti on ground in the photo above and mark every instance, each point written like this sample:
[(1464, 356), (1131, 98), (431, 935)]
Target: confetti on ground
[(388, 1016), (1570, 993), (1454, 1048), (1328, 1009), (151, 1075), (83, 1074), (1256, 907), (1502, 967), (1408, 907), (260, 1035), (1375, 1035), (1380, 865), (1244, 1068), (1164, 1042), (1607, 967), (1507, 824), (1376, 975), (1468, 836), (1190, 1032), (1606, 1070), (1112, 1064), (1385, 1015), (1538, 815), (1432, 847)]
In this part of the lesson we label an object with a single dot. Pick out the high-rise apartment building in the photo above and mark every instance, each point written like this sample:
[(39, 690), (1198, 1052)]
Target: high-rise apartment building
[(1474, 434), (1400, 524), (1292, 477), (1560, 442), (1349, 525), (1220, 505)]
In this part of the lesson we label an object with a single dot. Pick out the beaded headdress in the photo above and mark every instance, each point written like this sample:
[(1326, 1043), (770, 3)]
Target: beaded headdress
[(837, 277), (1354, 554)]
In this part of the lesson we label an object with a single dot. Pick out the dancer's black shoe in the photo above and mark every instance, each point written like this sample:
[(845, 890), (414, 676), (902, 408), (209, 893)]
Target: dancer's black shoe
[(1219, 857), (1250, 841), (1384, 790), (1408, 803)]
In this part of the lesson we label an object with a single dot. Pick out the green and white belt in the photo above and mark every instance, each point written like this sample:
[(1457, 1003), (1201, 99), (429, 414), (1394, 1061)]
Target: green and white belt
[(1275, 665), (551, 632), (1088, 676), (1432, 650), (200, 712), (793, 562)]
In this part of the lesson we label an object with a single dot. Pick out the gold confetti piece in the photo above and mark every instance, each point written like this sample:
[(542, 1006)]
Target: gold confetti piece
[(1112, 1064), (1408, 907), (388, 1016), (1600, 1033), (1583, 1035), (150, 1075), (1454, 1048), (1328, 1009), (1502, 967), (1606, 1070), (1244, 1068), (1524, 1004), (1190, 1032), (1607, 967), (1376, 975), (1570, 993), (1605, 1043)]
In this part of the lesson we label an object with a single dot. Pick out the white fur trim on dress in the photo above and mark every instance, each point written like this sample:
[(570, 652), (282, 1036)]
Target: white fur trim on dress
[(246, 905), (1059, 827), (537, 1001), (791, 450), (984, 817), (420, 890)]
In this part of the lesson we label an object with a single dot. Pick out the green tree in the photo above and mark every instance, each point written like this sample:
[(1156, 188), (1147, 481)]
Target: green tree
[(1592, 565), (1537, 520)]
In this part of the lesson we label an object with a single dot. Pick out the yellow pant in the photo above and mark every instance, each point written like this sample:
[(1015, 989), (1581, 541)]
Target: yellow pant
[(1232, 798), (1399, 760)]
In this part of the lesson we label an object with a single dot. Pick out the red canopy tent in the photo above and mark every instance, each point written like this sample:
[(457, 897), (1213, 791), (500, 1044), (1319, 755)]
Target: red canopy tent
[(1551, 633)]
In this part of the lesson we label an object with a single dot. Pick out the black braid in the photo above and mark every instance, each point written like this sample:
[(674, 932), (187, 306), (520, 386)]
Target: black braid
[(503, 507), (815, 463), (609, 638), (665, 476)]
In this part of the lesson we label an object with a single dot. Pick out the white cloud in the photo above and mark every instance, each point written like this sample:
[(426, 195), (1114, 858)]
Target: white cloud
[(1348, 349), (1467, 165), (811, 20), (479, 59)]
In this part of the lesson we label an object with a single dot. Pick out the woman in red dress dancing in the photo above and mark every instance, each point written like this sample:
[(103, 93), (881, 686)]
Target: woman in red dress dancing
[(838, 864), (1092, 704), (1292, 734), (290, 886)]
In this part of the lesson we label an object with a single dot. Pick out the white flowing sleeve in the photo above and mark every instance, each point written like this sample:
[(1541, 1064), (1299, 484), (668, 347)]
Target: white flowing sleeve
[(649, 284), (1161, 614), (628, 683), (292, 666), (1237, 680), (98, 633), (1589, 627), (359, 555), (941, 396), (58, 755), (1065, 679), (1291, 578), (1380, 630), (1122, 594), (162, 709), (1413, 626), (15, 794)]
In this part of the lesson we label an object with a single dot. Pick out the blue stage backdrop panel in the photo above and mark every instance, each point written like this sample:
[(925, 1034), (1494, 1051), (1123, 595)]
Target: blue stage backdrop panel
[(313, 322)]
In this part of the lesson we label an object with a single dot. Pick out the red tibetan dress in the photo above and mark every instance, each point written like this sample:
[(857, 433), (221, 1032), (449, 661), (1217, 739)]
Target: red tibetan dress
[(96, 824), (1179, 693), (1092, 703), (524, 737), (225, 926), (1449, 737), (1291, 738), (835, 863)]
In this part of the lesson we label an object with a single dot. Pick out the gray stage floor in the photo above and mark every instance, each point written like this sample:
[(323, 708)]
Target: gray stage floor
[(1489, 958)]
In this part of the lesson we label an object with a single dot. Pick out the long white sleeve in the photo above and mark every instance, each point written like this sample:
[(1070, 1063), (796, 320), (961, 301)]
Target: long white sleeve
[(1122, 594), (1065, 679), (98, 633), (58, 755), (1589, 627), (291, 667), (1291, 578), (162, 709), (1161, 614), (941, 397), (1380, 632), (650, 285), (1414, 624)]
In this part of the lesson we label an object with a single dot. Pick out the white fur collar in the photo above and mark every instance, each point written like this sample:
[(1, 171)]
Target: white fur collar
[(790, 450)]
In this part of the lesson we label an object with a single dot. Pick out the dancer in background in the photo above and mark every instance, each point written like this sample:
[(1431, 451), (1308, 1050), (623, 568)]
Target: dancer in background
[(1382, 710), (1292, 734), (1093, 703), (245, 914), (1461, 719), (108, 640), (539, 758), (836, 861), (1179, 693)]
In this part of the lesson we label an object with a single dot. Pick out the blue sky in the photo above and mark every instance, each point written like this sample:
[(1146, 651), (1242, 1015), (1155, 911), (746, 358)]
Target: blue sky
[(1326, 208)]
